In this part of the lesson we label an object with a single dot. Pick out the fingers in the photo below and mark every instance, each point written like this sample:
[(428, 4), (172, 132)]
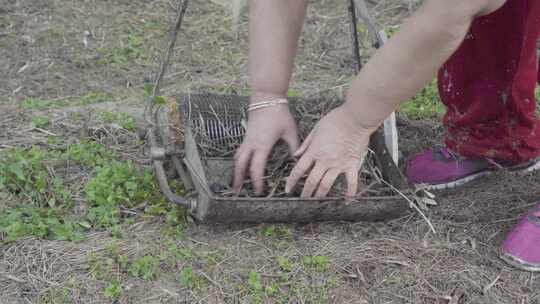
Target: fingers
[(303, 165), (313, 180), (352, 183), (326, 183), (242, 158), (304, 145), (291, 138), (256, 170)]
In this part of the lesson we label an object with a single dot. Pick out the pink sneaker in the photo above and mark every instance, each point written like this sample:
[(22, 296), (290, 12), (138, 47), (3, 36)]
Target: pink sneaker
[(522, 246), (441, 169)]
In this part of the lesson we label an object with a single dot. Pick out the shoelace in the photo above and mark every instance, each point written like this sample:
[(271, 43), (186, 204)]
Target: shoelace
[(494, 163), (451, 154)]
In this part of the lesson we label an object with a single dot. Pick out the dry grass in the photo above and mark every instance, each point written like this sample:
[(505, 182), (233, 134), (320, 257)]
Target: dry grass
[(400, 261)]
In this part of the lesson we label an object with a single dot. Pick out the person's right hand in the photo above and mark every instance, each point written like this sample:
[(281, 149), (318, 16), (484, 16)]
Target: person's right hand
[(265, 127)]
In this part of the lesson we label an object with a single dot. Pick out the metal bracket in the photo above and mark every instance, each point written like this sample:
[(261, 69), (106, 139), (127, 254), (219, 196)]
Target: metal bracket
[(157, 151)]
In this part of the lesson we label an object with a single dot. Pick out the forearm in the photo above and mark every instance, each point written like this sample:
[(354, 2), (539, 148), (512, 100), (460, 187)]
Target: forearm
[(409, 60), (274, 30)]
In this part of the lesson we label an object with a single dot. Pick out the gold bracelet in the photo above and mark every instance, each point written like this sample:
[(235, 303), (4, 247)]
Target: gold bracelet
[(267, 104)]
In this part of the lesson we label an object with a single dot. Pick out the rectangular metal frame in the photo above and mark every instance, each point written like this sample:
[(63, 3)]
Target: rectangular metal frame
[(212, 208)]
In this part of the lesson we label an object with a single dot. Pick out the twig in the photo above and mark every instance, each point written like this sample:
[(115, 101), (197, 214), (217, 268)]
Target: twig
[(13, 278), (258, 244), (41, 130), (412, 204)]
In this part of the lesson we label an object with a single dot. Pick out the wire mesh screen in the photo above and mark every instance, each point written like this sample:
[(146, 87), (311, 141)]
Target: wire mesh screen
[(217, 122)]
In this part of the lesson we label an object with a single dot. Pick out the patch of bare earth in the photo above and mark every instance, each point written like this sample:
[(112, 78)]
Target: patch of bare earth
[(43, 55)]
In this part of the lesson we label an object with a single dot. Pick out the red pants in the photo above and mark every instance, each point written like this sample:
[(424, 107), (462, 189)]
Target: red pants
[(488, 86)]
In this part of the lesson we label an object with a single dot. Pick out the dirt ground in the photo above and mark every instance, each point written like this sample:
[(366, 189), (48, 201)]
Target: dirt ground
[(54, 51)]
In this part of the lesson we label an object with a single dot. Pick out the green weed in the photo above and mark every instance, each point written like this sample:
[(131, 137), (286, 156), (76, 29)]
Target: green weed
[(153, 25), (255, 287), (104, 216), (294, 93), (425, 105), (28, 176), (100, 268), (117, 231), (361, 28), (56, 295), (89, 153), (145, 267), (189, 279), (285, 264), (105, 268), (319, 263), (313, 286), (112, 249), (40, 104), (75, 115), (225, 90), (148, 89), (123, 260), (212, 257), (118, 184), (122, 185), (24, 173), (311, 294), (34, 104), (114, 290), (124, 120), (175, 256), (175, 216), (246, 91), (391, 30), (40, 222), (131, 48), (41, 122), (276, 231), (54, 141), (91, 98), (272, 289), (178, 255)]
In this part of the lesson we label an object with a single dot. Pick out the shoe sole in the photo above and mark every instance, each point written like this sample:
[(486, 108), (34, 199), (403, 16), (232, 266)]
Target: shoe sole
[(519, 263), (534, 166)]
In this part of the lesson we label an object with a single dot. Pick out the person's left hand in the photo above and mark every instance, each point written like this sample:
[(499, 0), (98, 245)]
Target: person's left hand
[(337, 145)]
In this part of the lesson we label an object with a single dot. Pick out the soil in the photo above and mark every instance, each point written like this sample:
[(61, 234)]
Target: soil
[(42, 55)]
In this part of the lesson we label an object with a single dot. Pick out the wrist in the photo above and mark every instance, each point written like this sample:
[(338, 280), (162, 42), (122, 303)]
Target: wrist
[(259, 96), (267, 104), (364, 120)]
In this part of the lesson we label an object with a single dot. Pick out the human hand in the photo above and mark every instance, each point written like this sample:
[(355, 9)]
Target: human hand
[(265, 127), (337, 145)]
